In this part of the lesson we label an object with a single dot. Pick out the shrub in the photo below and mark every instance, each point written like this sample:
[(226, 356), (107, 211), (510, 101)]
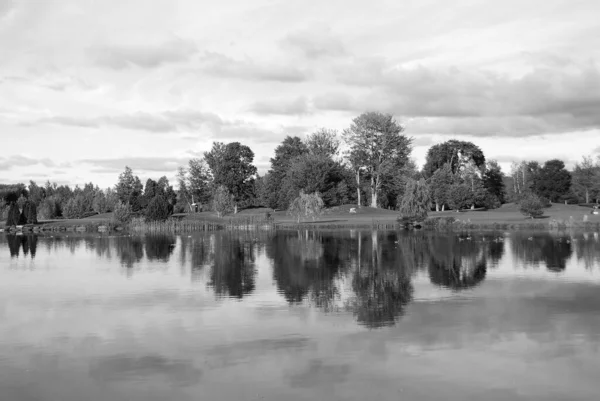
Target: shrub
[(416, 201), (13, 217), (122, 213), (545, 202), (158, 209), (531, 206), (306, 205), (491, 201)]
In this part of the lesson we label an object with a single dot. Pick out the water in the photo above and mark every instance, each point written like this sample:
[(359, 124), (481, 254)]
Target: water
[(300, 316)]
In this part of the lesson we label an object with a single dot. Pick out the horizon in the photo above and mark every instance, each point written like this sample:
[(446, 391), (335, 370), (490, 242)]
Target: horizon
[(89, 87)]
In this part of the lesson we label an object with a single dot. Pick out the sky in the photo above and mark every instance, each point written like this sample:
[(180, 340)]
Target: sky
[(88, 87)]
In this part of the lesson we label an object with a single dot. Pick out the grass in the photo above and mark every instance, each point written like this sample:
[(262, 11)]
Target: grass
[(506, 217)]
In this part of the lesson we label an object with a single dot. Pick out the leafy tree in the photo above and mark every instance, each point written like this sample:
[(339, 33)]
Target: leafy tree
[(376, 144), (100, 203), (30, 212), (553, 180), (74, 208), (586, 179), (323, 142), (416, 201), (158, 209), (129, 188), (222, 201), (288, 150), (36, 193), (493, 180), (460, 196), (231, 166), (531, 206), (456, 153), (441, 180), (306, 205), (49, 208), (122, 213), (523, 175)]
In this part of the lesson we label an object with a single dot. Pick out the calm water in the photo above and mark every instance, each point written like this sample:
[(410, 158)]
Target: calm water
[(300, 316)]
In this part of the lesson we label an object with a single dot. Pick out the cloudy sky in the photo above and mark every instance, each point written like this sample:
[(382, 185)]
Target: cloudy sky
[(89, 86)]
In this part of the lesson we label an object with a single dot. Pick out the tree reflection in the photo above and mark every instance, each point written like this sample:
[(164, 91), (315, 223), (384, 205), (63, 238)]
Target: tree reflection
[(232, 265), (587, 249), (552, 250), (159, 247), (28, 243), (456, 262), (130, 250)]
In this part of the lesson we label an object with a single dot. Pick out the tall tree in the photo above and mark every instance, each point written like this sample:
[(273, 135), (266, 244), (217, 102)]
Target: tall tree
[(493, 180), (377, 144), (586, 179), (288, 150), (416, 201), (441, 180), (231, 166), (456, 153), (553, 180), (129, 188)]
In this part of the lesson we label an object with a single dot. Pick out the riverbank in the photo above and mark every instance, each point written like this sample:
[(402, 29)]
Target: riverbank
[(505, 217)]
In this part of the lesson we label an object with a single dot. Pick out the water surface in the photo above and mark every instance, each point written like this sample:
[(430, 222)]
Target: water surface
[(298, 315)]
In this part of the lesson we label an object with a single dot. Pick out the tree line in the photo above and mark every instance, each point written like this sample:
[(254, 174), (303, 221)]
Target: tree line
[(367, 164)]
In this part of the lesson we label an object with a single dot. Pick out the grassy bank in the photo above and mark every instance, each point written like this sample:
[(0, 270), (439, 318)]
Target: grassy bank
[(506, 217)]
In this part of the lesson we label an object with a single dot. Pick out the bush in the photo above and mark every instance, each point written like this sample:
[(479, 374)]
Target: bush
[(158, 209), (222, 201), (416, 201), (531, 207), (491, 201), (306, 205), (122, 213)]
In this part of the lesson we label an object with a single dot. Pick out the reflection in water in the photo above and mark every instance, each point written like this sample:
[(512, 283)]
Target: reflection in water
[(232, 265), (28, 243), (551, 249), (159, 247)]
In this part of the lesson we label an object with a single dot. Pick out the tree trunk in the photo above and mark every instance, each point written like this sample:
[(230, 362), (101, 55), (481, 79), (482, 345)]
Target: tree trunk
[(235, 208), (473, 206), (587, 196), (358, 186), (373, 192), (437, 207), (443, 206)]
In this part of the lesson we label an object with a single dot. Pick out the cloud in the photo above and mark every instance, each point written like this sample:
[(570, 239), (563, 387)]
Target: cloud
[(473, 102), (119, 57), (6, 6), (8, 162), (293, 107), (314, 43), (112, 165), (158, 122), (222, 66)]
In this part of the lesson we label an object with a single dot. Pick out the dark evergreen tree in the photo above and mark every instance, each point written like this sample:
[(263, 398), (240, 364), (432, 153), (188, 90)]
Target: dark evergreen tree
[(13, 215), (158, 209), (553, 181), (493, 181)]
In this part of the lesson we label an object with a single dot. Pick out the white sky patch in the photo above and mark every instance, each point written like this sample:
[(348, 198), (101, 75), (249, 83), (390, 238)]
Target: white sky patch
[(91, 80)]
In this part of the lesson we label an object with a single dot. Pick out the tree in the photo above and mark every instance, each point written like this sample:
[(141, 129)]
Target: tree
[(441, 180), (586, 179), (288, 150), (553, 180), (129, 188), (231, 166), (14, 215), (493, 180), (456, 153), (122, 213), (222, 201), (158, 209), (306, 205), (30, 212), (323, 142), (49, 208), (416, 201), (531, 206), (460, 197), (376, 144)]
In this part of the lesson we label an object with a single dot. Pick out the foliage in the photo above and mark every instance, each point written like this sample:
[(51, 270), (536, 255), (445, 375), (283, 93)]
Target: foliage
[(231, 166), (460, 196), (288, 150), (553, 180), (13, 216), (493, 181), (531, 206), (441, 180), (586, 179), (416, 201), (456, 153), (74, 208), (122, 213), (222, 201), (49, 209), (376, 145), (100, 203), (129, 188), (323, 142), (306, 205), (21, 202), (29, 212), (491, 201), (158, 209)]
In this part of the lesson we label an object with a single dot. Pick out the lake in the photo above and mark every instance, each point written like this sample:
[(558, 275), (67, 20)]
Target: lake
[(300, 315)]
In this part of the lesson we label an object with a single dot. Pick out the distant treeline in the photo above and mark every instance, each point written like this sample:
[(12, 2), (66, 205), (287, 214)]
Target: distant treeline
[(369, 163)]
